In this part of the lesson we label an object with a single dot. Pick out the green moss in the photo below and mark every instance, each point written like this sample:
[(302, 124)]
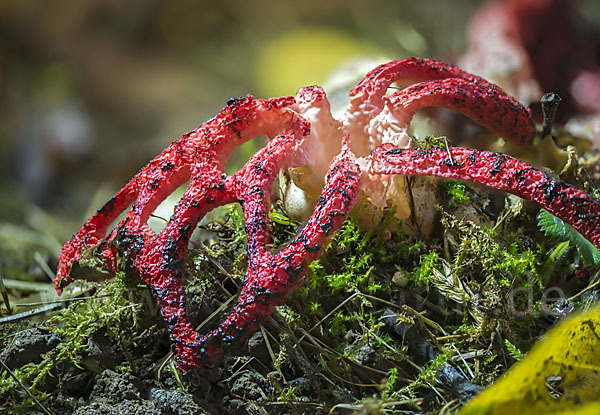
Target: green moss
[(423, 272), (314, 308), (341, 323), (353, 260), (390, 383), (433, 142), (110, 309), (513, 350), (479, 257), (456, 191), (350, 259), (291, 316)]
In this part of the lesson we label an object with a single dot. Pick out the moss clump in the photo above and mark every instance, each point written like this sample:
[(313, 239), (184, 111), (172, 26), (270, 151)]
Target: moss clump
[(112, 309), (456, 191), (351, 258), (469, 288)]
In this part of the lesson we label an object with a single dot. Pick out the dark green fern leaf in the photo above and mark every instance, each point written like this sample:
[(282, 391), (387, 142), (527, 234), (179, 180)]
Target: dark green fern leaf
[(553, 226)]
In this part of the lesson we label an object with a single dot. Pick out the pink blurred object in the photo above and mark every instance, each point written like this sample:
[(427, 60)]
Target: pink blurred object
[(530, 47)]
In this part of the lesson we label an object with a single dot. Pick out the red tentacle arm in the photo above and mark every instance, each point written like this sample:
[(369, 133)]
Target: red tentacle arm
[(368, 94), (271, 279), (208, 147), (496, 111), (367, 99), (200, 155), (497, 171)]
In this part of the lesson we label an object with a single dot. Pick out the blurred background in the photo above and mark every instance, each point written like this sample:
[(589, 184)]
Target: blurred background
[(92, 90)]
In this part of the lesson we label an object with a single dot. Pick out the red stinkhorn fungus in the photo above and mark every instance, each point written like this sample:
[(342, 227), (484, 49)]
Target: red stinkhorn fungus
[(201, 154)]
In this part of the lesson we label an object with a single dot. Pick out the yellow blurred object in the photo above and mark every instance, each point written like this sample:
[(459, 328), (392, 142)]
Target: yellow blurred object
[(560, 375), (302, 57)]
